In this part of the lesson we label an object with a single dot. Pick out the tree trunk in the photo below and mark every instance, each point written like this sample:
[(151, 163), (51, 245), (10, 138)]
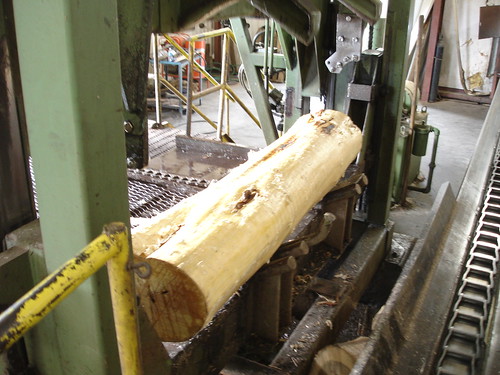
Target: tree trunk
[(202, 250), (338, 359)]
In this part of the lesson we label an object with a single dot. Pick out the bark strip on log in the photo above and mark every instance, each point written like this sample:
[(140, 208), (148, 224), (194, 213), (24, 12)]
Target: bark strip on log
[(202, 250)]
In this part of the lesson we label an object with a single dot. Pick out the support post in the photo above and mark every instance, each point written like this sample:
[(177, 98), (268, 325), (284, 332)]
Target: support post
[(156, 72), (74, 111), (437, 19), (254, 78), (189, 104), (223, 82), (135, 26), (388, 112)]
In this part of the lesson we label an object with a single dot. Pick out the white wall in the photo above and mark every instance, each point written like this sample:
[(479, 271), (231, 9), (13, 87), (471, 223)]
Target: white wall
[(475, 53)]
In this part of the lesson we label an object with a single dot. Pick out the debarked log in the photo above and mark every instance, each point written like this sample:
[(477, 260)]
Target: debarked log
[(203, 249)]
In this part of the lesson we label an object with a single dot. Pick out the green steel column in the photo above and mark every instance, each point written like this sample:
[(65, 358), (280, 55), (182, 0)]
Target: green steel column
[(259, 94), (134, 21), (70, 69), (293, 78), (388, 112)]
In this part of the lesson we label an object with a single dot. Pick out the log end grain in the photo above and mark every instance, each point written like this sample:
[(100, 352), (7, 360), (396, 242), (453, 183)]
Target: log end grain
[(173, 301)]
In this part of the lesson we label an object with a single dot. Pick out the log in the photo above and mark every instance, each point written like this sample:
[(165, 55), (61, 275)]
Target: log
[(202, 250), (338, 359)]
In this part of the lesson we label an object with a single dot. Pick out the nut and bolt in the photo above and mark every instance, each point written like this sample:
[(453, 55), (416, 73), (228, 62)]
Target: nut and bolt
[(355, 57), (128, 126), (339, 65), (347, 59)]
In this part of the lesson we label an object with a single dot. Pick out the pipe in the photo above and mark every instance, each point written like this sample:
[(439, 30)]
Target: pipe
[(436, 71), (432, 163), (123, 297), (189, 104), (493, 57), (409, 143), (157, 80), (266, 53), (271, 59), (223, 84)]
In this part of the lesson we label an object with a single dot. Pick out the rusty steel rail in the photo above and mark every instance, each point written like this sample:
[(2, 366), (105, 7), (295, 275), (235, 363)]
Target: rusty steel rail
[(111, 247)]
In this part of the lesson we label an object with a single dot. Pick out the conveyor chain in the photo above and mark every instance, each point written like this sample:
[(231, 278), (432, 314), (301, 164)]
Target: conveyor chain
[(167, 176), (464, 338), (149, 191)]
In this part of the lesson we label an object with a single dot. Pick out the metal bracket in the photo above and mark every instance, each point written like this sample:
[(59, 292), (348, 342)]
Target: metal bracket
[(349, 38), (300, 246), (365, 93)]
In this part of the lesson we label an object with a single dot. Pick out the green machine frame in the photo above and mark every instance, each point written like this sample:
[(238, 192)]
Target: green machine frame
[(82, 66)]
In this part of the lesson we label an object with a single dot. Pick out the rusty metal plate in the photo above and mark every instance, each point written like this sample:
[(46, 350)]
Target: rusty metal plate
[(489, 22)]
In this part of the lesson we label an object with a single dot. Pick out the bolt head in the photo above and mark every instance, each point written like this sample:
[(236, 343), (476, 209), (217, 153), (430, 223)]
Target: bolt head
[(348, 18), (347, 59), (355, 58), (339, 65), (128, 126), (340, 38), (355, 40)]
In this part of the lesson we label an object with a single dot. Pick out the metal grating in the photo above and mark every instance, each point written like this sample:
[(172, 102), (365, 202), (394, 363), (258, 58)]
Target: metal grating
[(162, 141), (148, 199), (462, 349)]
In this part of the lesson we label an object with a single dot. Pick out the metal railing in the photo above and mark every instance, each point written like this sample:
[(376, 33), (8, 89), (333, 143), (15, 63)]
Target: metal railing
[(111, 247), (226, 92)]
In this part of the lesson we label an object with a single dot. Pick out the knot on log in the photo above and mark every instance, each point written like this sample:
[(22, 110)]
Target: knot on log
[(247, 196)]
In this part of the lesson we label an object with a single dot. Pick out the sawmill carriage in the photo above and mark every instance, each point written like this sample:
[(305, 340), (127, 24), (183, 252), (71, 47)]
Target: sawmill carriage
[(282, 260)]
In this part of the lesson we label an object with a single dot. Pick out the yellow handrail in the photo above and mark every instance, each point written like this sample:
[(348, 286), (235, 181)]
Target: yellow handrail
[(112, 247)]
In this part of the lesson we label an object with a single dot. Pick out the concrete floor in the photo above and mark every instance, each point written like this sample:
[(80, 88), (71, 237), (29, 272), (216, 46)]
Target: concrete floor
[(459, 123), (242, 128)]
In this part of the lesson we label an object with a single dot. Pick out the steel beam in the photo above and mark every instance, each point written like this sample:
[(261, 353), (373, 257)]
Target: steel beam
[(392, 334), (369, 10), (134, 21), (278, 59), (314, 332), (300, 18), (388, 112), (254, 78), (435, 30), (293, 99), (70, 66), (16, 201)]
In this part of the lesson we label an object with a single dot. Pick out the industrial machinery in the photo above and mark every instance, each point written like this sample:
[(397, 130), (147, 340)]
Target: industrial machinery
[(73, 107)]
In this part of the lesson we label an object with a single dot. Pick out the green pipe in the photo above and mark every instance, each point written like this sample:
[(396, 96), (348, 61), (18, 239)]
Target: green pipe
[(432, 164)]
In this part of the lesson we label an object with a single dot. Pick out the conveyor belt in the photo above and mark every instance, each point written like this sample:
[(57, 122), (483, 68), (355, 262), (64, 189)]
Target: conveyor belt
[(462, 349)]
